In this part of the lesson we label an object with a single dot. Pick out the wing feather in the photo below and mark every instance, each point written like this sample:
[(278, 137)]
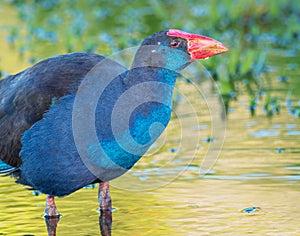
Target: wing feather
[(26, 96)]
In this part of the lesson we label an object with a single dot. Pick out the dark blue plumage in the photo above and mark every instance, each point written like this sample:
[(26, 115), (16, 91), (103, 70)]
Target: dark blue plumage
[(26, 96), (50, 152), (80, 118)]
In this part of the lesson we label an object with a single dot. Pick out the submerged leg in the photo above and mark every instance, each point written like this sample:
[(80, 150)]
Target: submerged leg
[(104, 198), (51, 210)]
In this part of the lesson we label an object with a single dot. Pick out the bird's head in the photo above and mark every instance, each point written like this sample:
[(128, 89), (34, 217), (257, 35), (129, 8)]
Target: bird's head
[(175, 49)]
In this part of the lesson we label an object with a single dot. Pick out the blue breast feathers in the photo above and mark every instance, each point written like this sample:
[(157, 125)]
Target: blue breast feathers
[(55, 162)]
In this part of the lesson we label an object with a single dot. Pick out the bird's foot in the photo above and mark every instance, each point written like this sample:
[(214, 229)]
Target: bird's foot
[(104, 198), (51, 210)]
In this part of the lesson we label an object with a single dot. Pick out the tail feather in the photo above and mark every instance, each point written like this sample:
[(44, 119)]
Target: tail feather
[(6, 169)]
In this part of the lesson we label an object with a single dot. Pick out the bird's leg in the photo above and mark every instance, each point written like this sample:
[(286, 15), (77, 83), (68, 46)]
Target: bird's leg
[(104, 198), (51, 210)]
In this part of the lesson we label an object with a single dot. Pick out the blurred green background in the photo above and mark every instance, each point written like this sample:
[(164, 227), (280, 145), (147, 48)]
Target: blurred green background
[(251, 29)]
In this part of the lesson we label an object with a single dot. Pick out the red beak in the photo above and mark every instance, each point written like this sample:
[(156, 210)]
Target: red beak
[(199, 47)]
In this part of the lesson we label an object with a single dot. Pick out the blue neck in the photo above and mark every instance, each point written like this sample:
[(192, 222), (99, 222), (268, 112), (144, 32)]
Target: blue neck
[(143, 116)]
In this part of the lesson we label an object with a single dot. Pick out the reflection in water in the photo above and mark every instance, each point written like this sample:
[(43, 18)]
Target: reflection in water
[(105, 223), (51, 223)]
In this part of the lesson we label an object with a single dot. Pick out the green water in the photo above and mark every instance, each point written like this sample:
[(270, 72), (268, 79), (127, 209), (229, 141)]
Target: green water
[(259, 166)]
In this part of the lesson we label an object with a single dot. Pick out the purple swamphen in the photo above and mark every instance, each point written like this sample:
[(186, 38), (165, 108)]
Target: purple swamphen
[(46, 109)]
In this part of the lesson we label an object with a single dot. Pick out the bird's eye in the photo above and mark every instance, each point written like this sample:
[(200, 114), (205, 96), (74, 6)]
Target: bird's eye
[(174, 43)]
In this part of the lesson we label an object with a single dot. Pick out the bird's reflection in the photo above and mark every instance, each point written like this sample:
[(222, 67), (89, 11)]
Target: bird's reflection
[(105, 223), (51, 223)]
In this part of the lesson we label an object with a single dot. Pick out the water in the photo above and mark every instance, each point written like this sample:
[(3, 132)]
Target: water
[(259, 167)]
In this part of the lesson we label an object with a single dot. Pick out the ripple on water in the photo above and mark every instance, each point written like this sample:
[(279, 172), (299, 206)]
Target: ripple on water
[(294, 132), (146, 173), (276, 126), (251, 124), (228, 177), (200, 127), (290, 126), (256, 175), (251, 209), (292, 167), (265, 133), (289, 177)]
